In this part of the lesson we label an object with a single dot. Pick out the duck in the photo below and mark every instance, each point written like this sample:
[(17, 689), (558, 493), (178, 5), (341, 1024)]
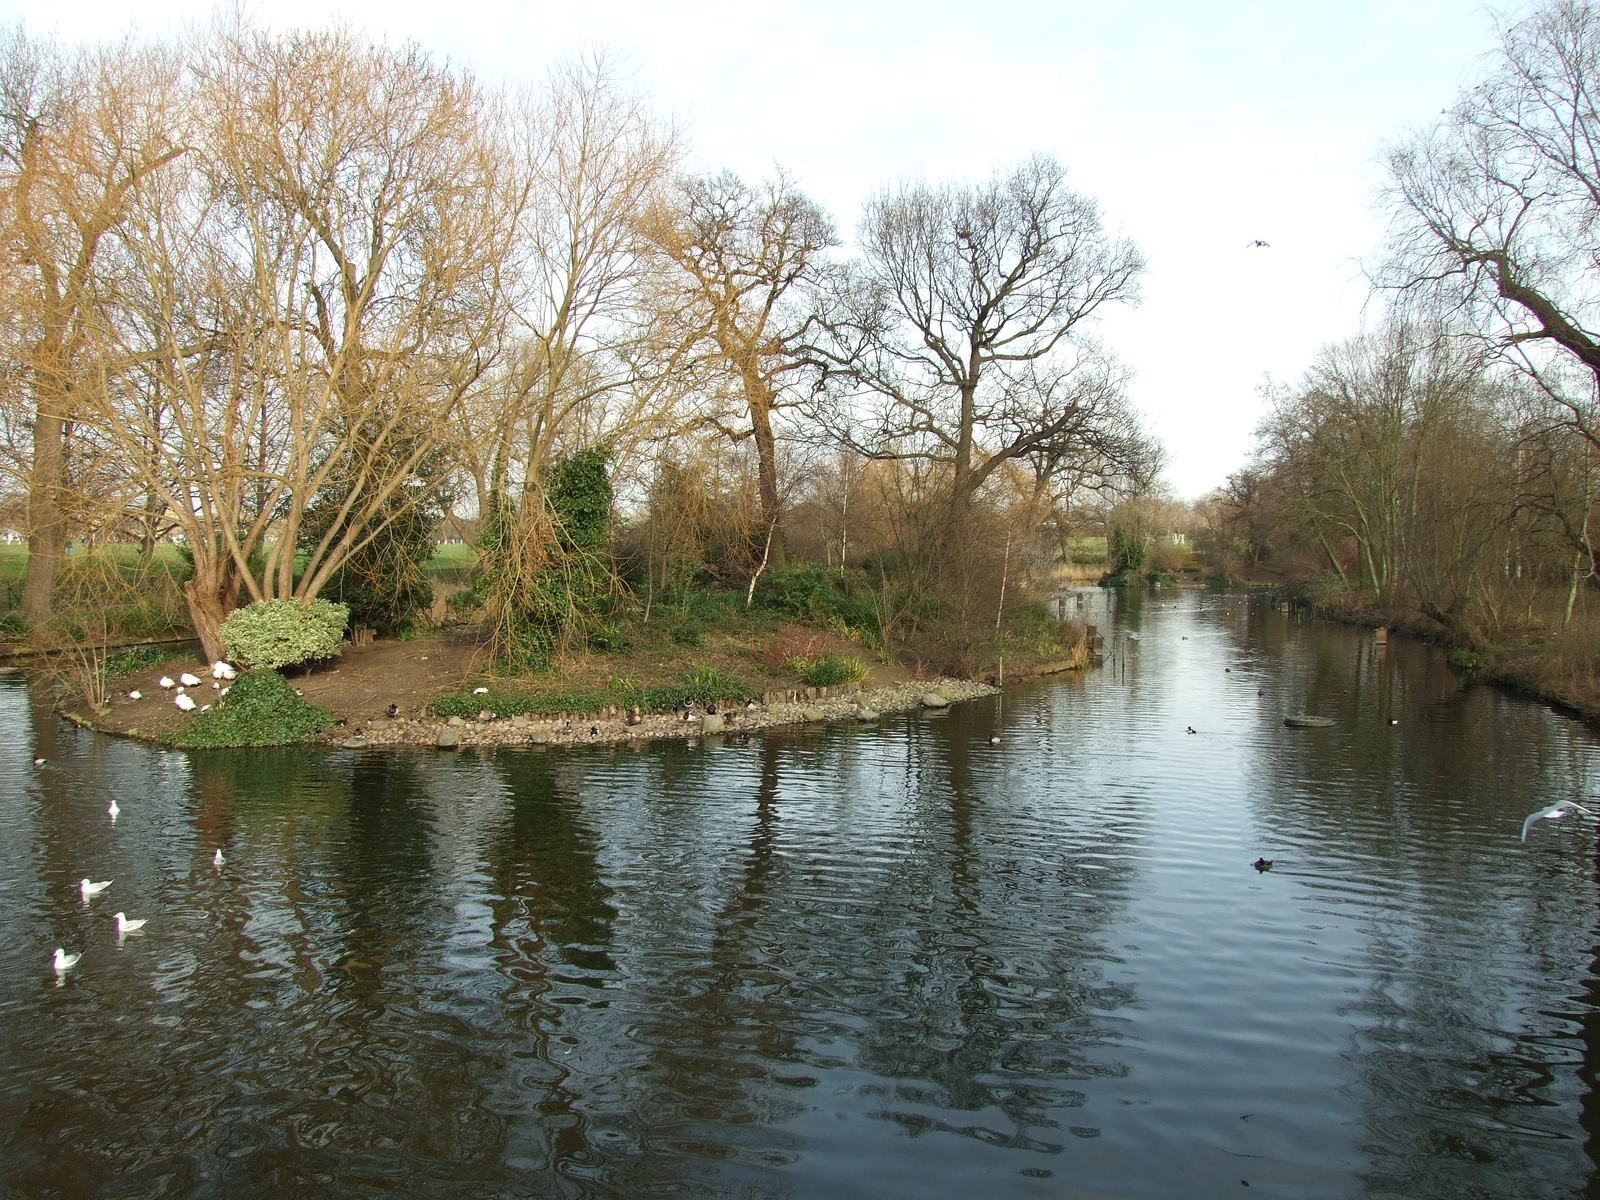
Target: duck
[(751, 705), (1394, 720), (594, 731), (125, 926), (392, 711), (1190, 729), (1262, 865), (65, 961), (87, 888)]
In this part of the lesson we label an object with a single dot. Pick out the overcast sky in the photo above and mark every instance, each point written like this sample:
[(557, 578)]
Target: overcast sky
[(1199, 127)]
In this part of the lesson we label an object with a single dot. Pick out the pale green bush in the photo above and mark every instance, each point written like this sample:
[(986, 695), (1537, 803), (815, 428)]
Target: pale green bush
[(278, 633)]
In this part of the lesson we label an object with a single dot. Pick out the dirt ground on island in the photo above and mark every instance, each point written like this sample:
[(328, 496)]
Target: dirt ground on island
[(359, 686)]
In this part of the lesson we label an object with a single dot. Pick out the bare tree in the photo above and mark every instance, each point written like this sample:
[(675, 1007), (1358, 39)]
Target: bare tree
[(79, 135), (574, 370), (739, 256), (964, 325), (315, 293), (1496, 208)]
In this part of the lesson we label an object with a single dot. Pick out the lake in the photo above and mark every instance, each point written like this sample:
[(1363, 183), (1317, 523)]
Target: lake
[(832, 961)]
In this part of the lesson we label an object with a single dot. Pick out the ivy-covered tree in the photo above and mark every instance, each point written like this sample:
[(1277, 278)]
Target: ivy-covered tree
[(543, 575)]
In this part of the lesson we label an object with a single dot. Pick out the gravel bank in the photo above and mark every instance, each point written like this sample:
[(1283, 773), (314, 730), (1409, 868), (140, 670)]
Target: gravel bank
[(519, 731)]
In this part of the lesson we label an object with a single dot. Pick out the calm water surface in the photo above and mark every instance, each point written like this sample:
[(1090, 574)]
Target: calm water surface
[(837, 962)]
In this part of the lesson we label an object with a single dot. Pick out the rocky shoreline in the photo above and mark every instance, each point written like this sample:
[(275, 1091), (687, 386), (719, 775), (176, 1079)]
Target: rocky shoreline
[(594, 729)]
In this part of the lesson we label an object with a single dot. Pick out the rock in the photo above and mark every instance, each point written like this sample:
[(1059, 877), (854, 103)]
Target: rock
[(456, 723), (713, 723), (866, 714), (539, 737), (519, 720), (814, 714), (354, 743), (448, 739), (933, 700)]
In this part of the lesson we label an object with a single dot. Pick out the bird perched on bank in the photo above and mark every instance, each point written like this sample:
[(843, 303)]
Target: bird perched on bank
[(87, 887), (223, 670), (751, 704), (594, 731), (135, 695), (1553, 813), (185, 701), (1262, 865), (189, 680), (65, 961), (711, 709), (392, 711), (125, 926), (165, 681)]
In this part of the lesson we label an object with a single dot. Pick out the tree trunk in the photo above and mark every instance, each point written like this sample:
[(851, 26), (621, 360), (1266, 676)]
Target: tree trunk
[(767, 467), (45, 530), (207, 610)]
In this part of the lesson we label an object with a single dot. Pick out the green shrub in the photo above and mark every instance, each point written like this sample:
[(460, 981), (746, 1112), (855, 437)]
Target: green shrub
[(806, 590), (833, 669), (123, 663), (260, 709), (279, 633)]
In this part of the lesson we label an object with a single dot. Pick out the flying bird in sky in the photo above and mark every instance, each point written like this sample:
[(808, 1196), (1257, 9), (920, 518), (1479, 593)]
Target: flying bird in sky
[(1258, 242)]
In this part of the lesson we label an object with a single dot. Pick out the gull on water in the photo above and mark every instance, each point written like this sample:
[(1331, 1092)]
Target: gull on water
[(65, 961), (113, 810), (87, 888), (216, 859), (1554, 813), (125, 926)]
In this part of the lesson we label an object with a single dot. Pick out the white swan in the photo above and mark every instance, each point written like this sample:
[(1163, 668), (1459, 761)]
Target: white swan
[(65, 961), (185, 702), (188, 680), (86, 888), (113, 810), (125, 926), (165, 681)]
